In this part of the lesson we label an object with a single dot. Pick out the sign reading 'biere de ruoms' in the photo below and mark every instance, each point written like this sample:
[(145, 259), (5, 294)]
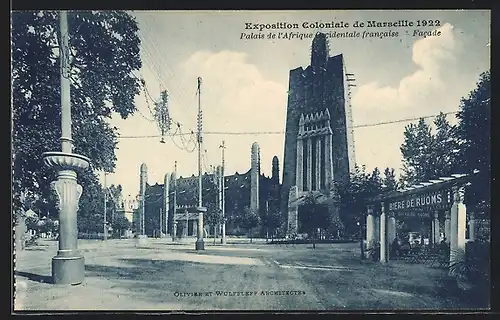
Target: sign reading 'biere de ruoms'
[(435, 200)]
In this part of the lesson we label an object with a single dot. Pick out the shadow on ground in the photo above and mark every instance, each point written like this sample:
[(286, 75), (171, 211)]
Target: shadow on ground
[(34, 277), (156, 281)]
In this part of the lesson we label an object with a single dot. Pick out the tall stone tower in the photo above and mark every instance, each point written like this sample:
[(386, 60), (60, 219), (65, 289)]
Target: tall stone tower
[(142, 197), (319, 145), (166, 202), (255, 177), (275, 170)]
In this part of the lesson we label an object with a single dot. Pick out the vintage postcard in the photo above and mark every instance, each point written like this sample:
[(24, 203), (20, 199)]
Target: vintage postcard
[(176, 161)]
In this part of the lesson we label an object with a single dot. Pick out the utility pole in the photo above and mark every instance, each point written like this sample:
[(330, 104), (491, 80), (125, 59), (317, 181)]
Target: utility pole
[(219, 199), (200, 245), (105, 207), (160, 224), (223, 196), (174, 224)]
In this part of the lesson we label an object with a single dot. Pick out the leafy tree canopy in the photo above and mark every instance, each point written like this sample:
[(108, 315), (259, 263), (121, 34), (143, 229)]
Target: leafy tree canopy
[(462, 148), (120, 223), (273, 220), (313, 215), (473, 132), (248, 219), (104, 47), (213, 216), (360, 187), (429, 154)]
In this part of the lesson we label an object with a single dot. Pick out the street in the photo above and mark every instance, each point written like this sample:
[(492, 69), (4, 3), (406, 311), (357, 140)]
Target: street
[(173, 276)]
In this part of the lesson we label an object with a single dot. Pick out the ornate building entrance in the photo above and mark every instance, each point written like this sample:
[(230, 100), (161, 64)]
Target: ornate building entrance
[(437, 203)]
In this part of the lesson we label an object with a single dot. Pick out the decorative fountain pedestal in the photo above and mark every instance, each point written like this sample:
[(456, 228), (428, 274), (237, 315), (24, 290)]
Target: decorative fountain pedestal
[(68, 266), (200, 244)]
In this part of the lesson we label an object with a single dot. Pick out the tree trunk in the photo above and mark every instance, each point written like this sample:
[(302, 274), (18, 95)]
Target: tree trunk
[(314, 238)]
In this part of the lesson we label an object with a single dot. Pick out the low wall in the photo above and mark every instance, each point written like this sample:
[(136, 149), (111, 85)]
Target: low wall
[(304, 241)]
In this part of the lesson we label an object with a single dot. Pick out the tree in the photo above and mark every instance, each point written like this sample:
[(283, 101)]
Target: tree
[(417, 154), (446, 147), (104, 47), (273, 220), (375, 178), (336, 227), (213, 217), (390, 183), (354, 195), (113, 201), (428, 155), (313, 215), (32, 223), (48, 225), (249, 220), (120, 224), (473, 131)]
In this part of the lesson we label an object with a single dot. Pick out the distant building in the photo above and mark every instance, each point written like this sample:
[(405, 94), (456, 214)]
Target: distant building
[(250, 189), (126, 208)]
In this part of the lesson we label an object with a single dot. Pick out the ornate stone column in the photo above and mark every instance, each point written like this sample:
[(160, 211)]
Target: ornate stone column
[(457, 224), (391, 227), (461, 217), (436, 227), (370, 226), (383, 235)]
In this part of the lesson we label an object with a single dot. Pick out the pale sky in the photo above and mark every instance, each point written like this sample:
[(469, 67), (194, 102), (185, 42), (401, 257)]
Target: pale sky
[(245, 83)]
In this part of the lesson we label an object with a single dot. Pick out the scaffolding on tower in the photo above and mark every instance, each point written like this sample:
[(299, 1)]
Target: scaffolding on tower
[(349, 80)]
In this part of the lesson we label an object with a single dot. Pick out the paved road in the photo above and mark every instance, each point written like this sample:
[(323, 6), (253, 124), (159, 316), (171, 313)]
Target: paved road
[(168, 276)]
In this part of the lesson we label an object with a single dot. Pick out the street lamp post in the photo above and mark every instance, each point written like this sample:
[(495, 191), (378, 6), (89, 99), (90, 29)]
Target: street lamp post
[(223, 195), (68, 266)]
